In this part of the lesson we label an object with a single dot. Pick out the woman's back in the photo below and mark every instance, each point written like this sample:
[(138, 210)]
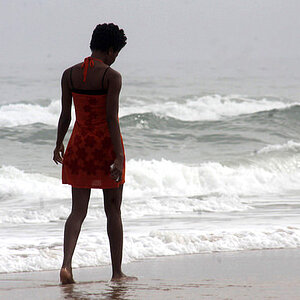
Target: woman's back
[(90, 153), (94, 78), (95, 156), (87, 82)]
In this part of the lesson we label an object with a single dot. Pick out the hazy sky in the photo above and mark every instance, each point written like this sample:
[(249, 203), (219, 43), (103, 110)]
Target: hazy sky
[(180, 30)]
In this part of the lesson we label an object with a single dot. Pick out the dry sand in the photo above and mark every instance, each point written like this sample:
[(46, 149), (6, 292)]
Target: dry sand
[(257, 274)]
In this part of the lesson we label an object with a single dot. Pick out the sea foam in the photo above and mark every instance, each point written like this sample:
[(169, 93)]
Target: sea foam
[(160, 187), (160, 195), (288, 146), (195, 108), (25, 113), (17, 184), (205, 108), (167, 178), (46, 253)]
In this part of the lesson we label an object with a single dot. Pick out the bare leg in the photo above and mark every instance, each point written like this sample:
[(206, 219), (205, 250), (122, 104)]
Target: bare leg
[(112, 206), (80, 201)]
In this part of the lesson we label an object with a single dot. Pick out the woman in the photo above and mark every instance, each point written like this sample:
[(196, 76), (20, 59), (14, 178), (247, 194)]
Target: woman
[(94, 157)]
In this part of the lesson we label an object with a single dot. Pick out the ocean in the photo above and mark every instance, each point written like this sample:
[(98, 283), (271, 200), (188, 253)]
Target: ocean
[(212, 160), (205, 171)]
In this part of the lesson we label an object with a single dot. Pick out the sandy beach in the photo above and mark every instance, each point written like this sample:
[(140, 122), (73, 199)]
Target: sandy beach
[(208, 111), (256, 274)]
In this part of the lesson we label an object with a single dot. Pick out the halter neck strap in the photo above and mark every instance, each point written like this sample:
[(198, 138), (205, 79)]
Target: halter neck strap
[(88, 61)]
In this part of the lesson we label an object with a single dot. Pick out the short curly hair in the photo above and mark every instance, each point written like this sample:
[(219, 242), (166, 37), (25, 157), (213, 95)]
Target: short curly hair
[(106, 36)]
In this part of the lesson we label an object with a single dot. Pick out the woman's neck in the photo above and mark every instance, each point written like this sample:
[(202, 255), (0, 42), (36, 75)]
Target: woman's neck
[(100, 55)]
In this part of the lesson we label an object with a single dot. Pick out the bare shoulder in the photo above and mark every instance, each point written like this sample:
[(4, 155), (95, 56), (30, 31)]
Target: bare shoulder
[(66, 74), (114, 80), (68, 70), (65, 77), (112, 74)]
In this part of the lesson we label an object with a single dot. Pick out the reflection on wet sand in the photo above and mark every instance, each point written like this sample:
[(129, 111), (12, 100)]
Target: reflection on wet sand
[(97, 290), (128, 290)]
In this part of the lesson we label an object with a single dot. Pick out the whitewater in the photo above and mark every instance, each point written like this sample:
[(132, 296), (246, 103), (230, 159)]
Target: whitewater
[(212, 164), (169, 208), (209, 107)]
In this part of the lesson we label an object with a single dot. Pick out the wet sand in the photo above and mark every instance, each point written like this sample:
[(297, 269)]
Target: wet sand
[(257, 274)]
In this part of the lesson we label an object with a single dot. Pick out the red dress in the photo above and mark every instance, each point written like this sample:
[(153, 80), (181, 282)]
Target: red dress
[(89, 154)]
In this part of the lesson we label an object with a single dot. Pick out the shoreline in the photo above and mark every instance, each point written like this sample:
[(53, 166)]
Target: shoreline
[(247, 274)]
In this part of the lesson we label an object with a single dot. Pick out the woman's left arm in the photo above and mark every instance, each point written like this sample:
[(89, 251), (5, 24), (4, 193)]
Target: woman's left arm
[(65, 117)]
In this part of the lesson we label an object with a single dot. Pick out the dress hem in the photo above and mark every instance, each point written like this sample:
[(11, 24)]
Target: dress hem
[(95, 187)]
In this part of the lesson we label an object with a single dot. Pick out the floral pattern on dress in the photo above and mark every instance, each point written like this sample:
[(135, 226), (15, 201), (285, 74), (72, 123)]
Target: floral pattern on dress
[(90, 141), (89, 153)]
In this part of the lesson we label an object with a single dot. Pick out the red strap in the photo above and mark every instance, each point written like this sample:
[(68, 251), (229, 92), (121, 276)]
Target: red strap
[(88, 61)]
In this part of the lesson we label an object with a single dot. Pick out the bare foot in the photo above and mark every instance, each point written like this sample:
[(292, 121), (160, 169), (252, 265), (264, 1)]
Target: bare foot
[(66, 276), (123, 277)]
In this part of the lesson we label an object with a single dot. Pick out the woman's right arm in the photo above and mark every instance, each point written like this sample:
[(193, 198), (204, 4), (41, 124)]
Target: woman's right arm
[(65, 117), (112, 108)]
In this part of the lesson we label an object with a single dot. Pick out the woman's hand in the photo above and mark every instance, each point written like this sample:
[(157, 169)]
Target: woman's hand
[(58, 154), (116, 169)]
